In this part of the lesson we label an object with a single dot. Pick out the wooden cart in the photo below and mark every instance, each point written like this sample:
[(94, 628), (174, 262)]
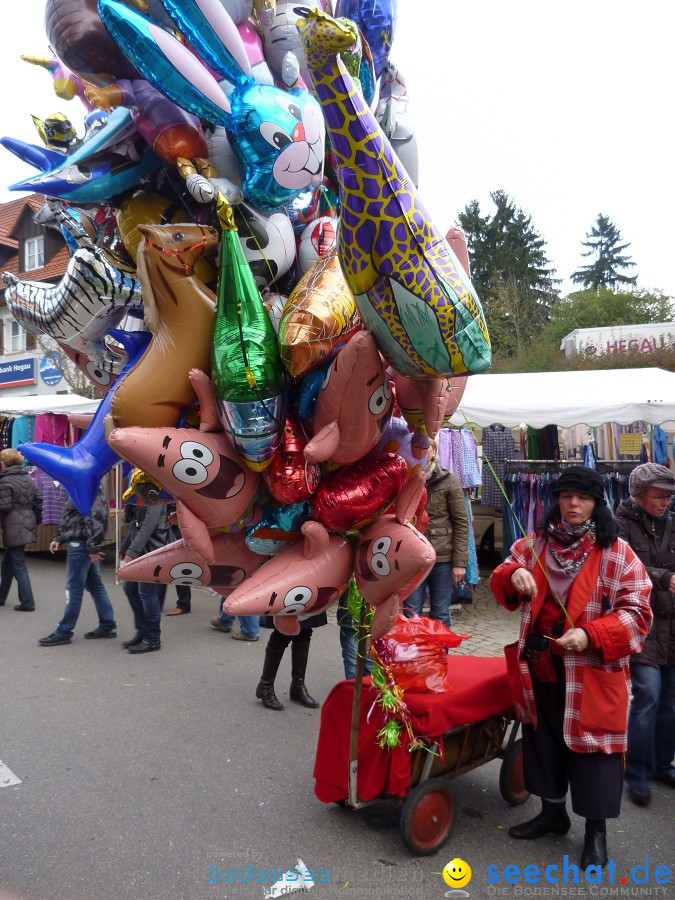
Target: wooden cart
[(428, 810)]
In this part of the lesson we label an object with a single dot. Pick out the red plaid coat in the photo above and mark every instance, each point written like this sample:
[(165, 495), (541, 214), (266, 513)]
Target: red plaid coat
[(609, 598)]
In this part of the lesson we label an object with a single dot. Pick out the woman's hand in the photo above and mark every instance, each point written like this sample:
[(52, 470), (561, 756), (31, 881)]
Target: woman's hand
[(574, 639), (54, 546), (524, 583)]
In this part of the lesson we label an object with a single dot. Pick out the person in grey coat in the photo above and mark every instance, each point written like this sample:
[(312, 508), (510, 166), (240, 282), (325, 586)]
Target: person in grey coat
[(20, 504), (646, 523), (149, 530)]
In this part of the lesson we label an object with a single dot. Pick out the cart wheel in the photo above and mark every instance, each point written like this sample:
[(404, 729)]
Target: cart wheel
[(427, 817), (511, 779)]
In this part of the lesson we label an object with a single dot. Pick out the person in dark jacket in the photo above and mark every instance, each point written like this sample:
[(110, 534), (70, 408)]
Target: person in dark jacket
[(149, 530), (646, 523), (19, 500), (448, 533), (84, 537)]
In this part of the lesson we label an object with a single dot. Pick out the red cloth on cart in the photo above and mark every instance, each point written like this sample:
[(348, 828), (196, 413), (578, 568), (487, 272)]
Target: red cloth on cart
[(479, 689)]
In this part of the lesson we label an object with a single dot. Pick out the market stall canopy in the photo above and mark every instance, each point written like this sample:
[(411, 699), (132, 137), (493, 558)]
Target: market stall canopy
[(565, 399), (59, 404)]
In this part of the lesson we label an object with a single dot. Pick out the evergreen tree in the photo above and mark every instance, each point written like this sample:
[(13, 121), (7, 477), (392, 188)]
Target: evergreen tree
[(604, 243), (510, 271)]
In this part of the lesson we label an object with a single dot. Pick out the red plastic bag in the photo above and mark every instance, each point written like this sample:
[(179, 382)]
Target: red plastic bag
[(414, 649)]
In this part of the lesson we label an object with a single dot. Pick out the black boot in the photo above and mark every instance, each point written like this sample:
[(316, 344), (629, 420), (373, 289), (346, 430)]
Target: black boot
[(552, 819), (265, 689), (595, 844), (138, 637), (298, 691)]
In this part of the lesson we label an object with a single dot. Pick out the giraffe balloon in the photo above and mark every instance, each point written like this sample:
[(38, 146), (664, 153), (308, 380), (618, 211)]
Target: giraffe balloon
[(411, 291)]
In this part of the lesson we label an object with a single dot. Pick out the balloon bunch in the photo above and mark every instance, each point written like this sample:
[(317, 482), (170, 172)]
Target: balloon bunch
[(257, 287)]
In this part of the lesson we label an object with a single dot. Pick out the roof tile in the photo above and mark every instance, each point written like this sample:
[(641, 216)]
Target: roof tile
[(10, 213)]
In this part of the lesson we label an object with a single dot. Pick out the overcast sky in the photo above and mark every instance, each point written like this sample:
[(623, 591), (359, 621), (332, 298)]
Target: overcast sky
[(566, 107)]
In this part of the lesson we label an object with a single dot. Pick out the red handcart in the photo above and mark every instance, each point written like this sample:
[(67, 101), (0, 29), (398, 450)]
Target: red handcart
[(462, 728)]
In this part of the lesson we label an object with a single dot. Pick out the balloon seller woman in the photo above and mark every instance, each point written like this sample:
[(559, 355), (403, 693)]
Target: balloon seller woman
[(584, 601)]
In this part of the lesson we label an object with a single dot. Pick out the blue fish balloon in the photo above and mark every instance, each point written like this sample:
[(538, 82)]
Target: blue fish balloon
[(81, 467)]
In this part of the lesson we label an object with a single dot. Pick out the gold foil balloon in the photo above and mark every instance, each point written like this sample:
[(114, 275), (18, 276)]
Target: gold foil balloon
[(320, 316), (180, 312)]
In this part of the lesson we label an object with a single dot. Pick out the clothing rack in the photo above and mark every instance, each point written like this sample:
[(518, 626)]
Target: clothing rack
[(517, 464), (529, 486), (603, 466), (624, 466)]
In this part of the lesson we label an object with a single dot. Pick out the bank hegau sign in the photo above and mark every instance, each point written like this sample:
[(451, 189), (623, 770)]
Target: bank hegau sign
[(16, 372)]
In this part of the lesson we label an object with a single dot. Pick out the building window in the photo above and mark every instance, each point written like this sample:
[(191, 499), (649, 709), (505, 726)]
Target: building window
[(35, 253), (18, 343)]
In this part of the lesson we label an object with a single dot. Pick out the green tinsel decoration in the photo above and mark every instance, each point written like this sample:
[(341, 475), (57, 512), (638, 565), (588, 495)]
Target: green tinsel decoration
[(389, 735), (377, 678), (355, 603), (354, 600), (388, 701)]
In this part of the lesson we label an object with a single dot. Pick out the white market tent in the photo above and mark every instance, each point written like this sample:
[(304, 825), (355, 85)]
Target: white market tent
[(538, 399), (59, 404), (566, 399)]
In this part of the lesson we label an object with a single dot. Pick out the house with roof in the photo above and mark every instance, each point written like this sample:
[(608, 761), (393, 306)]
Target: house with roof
[(32, 252)]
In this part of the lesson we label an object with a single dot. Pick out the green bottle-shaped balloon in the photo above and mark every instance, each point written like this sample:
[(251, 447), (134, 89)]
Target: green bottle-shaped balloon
[(249, 376)]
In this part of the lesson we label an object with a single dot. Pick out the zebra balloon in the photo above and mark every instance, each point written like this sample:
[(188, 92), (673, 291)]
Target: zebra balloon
[(92, 297)]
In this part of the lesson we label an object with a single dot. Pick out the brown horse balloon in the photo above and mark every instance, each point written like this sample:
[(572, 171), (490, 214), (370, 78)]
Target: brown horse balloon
[(179, 311)]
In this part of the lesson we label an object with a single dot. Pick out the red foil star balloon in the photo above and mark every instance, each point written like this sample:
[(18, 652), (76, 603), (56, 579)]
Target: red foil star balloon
[(290, 477), (355, 495)]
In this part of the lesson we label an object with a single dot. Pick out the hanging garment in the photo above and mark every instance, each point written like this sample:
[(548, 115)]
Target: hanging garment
[(660, 443), (550, 446), (22, 430), (589, 457), (444, 448), (54, 496), (52, 429), (471, 576), (498, 445), (7, 427), (470, 471), (534, 444)]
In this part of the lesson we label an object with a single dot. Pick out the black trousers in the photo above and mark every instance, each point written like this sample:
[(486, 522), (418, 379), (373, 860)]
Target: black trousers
[(595, 780), (184, 596), (279, 641)]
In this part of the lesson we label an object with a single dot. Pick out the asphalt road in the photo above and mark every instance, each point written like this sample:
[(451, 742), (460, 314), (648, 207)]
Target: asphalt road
[(145, 776)]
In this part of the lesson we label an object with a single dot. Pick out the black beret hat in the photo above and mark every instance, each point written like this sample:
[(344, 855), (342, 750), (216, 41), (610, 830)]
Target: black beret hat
[(583, 480)]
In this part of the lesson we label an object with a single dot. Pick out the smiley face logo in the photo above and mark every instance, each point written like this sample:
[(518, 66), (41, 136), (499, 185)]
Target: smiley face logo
[(457, 873)]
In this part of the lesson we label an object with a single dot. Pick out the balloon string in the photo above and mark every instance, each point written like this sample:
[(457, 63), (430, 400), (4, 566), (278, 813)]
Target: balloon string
[(518, 522)]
